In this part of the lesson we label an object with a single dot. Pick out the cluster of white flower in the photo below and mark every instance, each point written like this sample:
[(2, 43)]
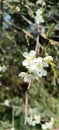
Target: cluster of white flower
[(33, 118), (48, 125), (39, 18), (3, 68), (42, 2), (35, 66)]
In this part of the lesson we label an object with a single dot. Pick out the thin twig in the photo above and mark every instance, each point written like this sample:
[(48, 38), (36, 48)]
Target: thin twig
[(38, 45), (13, 109), (26, 104), (18, 28)]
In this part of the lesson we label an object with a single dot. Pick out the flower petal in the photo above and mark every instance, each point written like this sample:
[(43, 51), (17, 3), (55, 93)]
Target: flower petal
[(25, 54)]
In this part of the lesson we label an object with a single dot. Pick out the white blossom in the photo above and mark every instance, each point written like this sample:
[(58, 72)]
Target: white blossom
[(52, 120), (3, 68), (34, 117), (44, 127), (28, 77), (37, 118), (48, 59), (29, 57), (35, 66), (31, 121), (39, 18), (41, 2), (12, 128), (17, 9), (22, 74), (6, 102), (48, 125)]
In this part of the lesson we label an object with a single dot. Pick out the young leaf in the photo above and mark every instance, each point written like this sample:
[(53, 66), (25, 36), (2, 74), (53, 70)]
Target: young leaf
[(50, 31)]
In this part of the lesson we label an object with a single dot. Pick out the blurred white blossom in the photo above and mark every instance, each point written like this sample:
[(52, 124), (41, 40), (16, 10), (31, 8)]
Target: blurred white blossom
[(17, 9), (6, 102), (28, 77), (3, 68), (39, 17), (33, 117), (48, 59), (42, 2), (48, 125), (12, 128)]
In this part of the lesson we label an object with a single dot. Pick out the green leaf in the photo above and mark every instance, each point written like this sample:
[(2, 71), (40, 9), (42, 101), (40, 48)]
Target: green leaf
[(51, 30)]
